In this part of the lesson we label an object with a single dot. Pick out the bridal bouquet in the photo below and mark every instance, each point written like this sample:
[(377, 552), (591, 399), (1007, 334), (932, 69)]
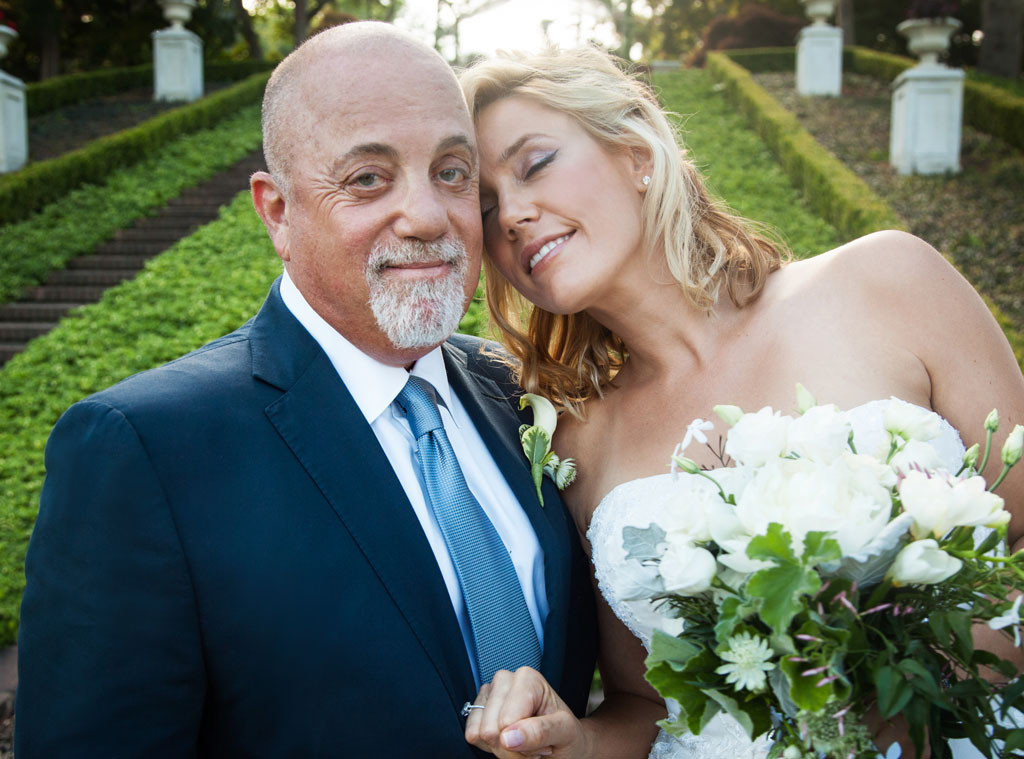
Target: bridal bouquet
[(819, 583)]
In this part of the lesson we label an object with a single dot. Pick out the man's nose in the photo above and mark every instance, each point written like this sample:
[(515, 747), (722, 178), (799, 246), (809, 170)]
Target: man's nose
[(424, 213)]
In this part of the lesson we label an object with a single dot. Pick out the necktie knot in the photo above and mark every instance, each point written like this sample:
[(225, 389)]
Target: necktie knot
[(417, 400)]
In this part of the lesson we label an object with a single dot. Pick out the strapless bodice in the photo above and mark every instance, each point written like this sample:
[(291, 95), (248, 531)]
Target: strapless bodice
[(668, 497)]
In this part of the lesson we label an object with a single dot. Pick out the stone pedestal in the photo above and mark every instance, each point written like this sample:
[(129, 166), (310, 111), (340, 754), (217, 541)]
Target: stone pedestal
[(13, 123), (927, 113), (819, 60), (177, 65)]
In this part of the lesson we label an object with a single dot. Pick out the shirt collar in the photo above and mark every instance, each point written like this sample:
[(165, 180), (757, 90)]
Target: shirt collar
[(373, 385)]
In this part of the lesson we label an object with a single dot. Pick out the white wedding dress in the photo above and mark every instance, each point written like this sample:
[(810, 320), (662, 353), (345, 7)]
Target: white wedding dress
[(638, 503)]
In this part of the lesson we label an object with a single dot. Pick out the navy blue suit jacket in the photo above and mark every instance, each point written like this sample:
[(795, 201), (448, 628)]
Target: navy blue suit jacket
[(225, 564)]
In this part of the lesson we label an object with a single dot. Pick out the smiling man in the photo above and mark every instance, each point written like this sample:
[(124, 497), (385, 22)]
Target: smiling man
[(316, 536)]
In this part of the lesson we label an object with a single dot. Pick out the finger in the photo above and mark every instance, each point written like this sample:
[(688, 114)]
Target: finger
[(489, 727), (528, 695), (547, 732), (475, 718)]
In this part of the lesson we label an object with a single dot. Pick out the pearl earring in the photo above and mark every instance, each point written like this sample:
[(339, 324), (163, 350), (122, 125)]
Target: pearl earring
[(646, 180)]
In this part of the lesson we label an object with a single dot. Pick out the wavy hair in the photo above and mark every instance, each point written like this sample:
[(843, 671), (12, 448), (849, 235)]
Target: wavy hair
[(570, 358)]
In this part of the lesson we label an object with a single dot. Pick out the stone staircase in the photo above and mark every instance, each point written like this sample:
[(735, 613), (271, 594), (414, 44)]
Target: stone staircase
[(87, 277)]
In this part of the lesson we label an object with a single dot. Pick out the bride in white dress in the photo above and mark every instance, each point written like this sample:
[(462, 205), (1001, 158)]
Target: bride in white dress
[(650, 305)]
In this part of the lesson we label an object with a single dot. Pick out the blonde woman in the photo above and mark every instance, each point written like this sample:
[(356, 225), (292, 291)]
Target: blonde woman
[(649, 303)]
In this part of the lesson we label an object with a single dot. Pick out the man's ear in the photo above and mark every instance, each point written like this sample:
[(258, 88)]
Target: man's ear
[(270, 204)]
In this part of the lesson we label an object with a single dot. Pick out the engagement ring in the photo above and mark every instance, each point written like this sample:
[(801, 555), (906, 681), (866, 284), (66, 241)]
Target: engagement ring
[(468, 707)]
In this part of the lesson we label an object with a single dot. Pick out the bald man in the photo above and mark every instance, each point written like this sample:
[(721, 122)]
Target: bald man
[(239, 553)]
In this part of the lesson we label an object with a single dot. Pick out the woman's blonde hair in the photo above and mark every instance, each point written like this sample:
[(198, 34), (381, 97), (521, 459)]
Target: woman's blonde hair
[(570, 358)]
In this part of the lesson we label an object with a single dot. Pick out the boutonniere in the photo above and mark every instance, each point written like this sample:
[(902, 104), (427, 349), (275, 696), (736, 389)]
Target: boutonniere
[(536, 440)]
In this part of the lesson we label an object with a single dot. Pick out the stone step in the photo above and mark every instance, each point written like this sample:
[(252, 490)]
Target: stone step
[(23, 331), (64, 294), (128, 248), (152, 234), (107, 261), (35, 312), (187, 222), (90, 276)]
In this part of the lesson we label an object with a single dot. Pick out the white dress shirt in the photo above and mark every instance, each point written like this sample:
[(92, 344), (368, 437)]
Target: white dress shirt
[(374, 387)]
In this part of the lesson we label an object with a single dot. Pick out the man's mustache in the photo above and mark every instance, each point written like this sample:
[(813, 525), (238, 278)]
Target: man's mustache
[(448, 250)]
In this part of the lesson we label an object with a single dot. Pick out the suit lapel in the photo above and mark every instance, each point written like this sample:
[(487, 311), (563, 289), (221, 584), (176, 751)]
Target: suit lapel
[(498, 425), (318, 419)]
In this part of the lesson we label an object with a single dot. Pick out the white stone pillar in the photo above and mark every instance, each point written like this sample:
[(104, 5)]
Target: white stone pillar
[(927, 112), (177, 65), (819, 60), (13, 123)]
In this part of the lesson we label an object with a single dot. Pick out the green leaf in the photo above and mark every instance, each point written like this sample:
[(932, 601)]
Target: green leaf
[(1015, 740), (776, 545), (892, 689), (641, 543), (804, 690), (755, 721), (780, 590), (963, 641), (536, 445), (667, 648), (820, 548)]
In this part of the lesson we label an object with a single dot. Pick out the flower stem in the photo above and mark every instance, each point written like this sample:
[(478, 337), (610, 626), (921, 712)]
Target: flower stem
[(1000, 478), (988, 449)]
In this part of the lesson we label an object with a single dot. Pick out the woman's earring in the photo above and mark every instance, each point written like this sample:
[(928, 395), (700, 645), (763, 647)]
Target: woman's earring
[(646, 180)]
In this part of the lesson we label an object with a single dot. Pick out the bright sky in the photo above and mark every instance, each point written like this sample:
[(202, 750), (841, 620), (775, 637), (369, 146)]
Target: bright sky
[(517, 24)]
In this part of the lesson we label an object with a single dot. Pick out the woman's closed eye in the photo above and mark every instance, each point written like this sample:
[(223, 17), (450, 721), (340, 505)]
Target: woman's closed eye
[(540, 164)]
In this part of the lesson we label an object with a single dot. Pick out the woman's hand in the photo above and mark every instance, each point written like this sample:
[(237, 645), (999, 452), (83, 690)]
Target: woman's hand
[(524, 717)]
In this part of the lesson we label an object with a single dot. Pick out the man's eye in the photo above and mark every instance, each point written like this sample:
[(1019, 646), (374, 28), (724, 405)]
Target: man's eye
[(369, 179), (451, 175)]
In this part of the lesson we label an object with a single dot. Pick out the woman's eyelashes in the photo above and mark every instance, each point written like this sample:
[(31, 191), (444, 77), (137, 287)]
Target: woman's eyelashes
[(540, 164)]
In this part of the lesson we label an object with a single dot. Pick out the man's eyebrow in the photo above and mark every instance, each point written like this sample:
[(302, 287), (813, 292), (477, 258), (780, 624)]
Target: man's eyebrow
[(514, 148), (456, 141), (365, 150)]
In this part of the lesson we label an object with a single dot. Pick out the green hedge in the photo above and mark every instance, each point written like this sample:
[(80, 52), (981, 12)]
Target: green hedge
[(838, 194), (59, 91), (203, 287), (996, 109), (85, 217), (29, 189), (831, 189)]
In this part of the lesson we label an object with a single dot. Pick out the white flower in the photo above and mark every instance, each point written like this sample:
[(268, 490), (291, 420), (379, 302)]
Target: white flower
[(686, 569), (822, 433), (923, 563), (804, 400), (729, 414), (1014, 446), (694, 431), (758, 438), (911, 422), (748, 657), (916, 454), (939, 503), (848, 497), (544, 414), (1009, 617)]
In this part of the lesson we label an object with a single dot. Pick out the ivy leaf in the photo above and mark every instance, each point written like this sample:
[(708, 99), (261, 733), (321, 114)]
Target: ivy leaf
[(536, 445), (804, 690), (641, 543)]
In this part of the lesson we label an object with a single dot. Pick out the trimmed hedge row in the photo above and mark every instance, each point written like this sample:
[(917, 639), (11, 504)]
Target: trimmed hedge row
[(988, 107), (47, 95), (831, 189), (838, 194), (203, 287), (29, 189), (74, 224)]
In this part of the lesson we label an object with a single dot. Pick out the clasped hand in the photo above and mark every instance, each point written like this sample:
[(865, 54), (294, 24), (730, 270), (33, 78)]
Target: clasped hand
[(524, 717)]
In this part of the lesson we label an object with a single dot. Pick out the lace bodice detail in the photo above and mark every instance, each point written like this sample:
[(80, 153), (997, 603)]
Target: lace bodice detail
[(638, 503)]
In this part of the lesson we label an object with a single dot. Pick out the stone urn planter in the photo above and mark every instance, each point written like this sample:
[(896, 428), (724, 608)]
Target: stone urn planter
[(7, 36), (178, 12), (927, 38), (819, 11)]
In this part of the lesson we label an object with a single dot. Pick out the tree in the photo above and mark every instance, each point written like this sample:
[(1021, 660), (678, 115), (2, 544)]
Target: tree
[(1000, 52), (845, 21), (451, 13)]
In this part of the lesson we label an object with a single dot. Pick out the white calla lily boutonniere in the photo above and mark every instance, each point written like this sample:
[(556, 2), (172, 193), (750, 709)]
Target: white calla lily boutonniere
[(536, 440)]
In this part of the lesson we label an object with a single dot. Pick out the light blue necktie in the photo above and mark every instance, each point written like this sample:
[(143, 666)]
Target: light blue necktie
[(503, 633)]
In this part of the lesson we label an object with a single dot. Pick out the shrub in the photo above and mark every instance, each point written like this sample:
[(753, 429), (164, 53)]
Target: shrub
[(85, 217), (74, 88), (29, 189), (754, 26)]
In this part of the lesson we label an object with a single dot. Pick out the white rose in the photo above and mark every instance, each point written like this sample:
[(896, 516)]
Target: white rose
[(847, 497), (758, 438), (911, 422), (690, 513), (686, 569), (939, 502), (917, 454), (923, 563), (820, 434)]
